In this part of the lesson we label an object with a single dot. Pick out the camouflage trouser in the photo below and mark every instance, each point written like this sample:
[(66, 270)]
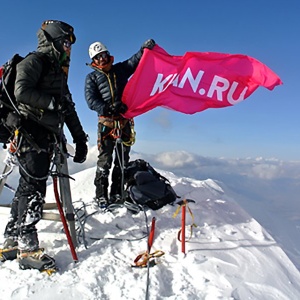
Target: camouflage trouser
[(27, 204)]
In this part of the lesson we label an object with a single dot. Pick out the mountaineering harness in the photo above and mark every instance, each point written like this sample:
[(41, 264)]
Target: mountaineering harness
[(117, 124)]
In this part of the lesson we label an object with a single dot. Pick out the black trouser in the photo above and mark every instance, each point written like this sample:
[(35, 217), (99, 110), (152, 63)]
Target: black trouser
[(27, 204), (106, 146)]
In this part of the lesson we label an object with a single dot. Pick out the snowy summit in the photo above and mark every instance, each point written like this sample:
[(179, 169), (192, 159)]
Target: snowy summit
[(228, 256)]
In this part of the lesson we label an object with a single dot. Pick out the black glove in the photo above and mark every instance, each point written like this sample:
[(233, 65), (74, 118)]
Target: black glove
[(13, 120), (149, 44), (123, 108), (120, 108), (117, 108), (81, 151)]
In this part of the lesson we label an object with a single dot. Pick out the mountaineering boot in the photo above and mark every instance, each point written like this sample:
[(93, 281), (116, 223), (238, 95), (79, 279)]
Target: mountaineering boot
[(36, 260), (9, 250), (116, 199), (115, 202), (102, 202)]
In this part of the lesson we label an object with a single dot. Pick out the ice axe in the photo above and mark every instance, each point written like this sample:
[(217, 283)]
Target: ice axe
[(64, 221), (143, 260), (182, 205)]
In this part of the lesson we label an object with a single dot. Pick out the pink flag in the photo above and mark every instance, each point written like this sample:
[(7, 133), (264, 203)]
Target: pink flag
[(194, 82)]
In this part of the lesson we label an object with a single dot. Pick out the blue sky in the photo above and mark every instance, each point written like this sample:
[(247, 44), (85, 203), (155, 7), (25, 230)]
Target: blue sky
[(264, 125)]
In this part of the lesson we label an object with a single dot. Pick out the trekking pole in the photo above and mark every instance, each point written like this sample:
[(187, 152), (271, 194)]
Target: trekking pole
[(63, 219)]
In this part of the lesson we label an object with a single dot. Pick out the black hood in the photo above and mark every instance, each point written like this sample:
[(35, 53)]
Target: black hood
[(50, 36), (46, 46), (58, 30)]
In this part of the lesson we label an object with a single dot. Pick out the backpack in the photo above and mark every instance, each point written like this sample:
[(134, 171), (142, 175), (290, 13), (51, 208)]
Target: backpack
[(8, 103), (145, 186), (7, 98)]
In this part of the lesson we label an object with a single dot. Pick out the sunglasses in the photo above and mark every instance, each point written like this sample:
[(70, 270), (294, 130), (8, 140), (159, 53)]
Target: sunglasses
[(67, 44), (102, 55)]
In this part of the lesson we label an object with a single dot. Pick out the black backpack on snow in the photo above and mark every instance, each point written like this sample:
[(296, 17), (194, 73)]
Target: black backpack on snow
[(145, 186)]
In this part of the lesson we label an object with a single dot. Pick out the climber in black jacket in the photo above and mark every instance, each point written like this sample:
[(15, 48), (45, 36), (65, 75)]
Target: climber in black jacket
[(45, 104)]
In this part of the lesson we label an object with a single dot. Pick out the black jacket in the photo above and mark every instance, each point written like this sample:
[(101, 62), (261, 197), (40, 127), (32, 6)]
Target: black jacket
[(39, 79), (103, 89)]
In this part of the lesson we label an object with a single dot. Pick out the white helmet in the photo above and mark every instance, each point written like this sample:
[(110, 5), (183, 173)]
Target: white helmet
[(97, 48)]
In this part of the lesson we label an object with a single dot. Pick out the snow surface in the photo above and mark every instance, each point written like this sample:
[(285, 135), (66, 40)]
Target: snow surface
[(229, 255)]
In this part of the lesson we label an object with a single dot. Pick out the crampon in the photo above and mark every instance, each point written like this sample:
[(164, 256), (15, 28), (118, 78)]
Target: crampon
[(8, 254), (37, 260), (9, 250)]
